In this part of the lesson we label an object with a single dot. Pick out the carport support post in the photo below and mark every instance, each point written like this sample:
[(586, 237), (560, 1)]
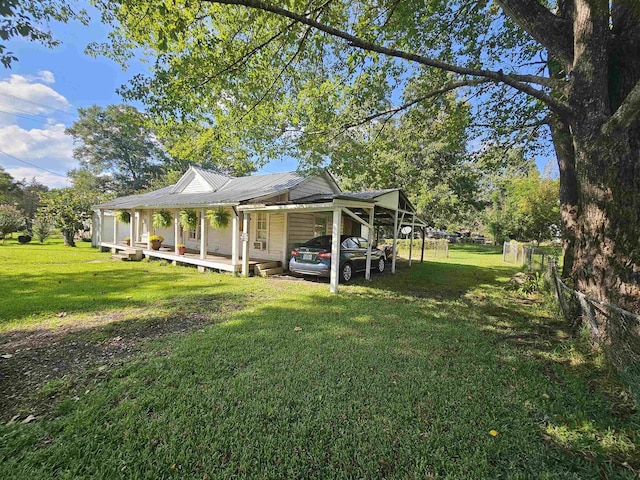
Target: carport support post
[(424, 234), (395, 243), (336, 231), (413, 226), (367, 273), (245, 244), (149, 228), (203, 234)]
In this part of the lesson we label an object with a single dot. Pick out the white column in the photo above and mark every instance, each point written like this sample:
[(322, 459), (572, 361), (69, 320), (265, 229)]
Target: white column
[(101, 239), (150, 228), (132, 239), (245, 244), (235, 237), (176, 230), (336, 231), (115, 227), (413, 226), (203, 234), (367, 272), (138, 225), (395, 243), (285, 241)]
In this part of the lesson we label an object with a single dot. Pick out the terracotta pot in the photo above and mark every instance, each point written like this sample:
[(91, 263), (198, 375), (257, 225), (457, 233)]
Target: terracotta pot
[(128, 243), (182, 250), (155, 245)]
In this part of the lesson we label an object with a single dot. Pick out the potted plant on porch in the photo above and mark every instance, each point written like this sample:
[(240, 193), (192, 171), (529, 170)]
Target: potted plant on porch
[(127, 240), (189, 219), (156, 241), (182, 249), (219, 218)]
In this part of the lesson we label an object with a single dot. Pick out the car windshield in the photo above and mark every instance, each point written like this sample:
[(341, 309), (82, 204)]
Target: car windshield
[(319, 242)]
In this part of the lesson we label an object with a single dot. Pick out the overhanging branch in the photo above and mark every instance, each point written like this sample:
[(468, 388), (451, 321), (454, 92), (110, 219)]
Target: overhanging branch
[(559, 107), (626, 113)]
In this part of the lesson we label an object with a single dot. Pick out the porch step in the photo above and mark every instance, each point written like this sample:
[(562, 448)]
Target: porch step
[(128, 255), (266, 269), (271, 271)]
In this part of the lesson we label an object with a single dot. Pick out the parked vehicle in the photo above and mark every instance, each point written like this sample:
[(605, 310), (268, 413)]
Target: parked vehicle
[(314, 257)]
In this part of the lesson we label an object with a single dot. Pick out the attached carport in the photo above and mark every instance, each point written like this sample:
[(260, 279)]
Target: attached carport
[(370, 209)]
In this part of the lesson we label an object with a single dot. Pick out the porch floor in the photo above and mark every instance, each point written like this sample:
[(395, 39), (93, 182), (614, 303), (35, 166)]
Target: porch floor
[(167, 252)]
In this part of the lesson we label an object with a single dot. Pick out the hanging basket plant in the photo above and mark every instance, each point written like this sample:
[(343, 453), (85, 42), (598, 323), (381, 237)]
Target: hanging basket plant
[(162, 219), (123, 216), (219, 218), (189, 219)]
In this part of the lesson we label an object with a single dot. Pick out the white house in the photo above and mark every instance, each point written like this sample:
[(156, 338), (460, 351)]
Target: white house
[(270, 215)]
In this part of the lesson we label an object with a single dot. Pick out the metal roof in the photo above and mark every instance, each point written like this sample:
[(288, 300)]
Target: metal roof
[(234, 191), (371, 193)]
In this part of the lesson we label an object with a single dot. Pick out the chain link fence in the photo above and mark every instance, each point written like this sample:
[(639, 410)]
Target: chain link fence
[(535, 259), (612, 327)]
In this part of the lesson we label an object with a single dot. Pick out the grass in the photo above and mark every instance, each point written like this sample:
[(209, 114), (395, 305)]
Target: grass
[(402, 377)]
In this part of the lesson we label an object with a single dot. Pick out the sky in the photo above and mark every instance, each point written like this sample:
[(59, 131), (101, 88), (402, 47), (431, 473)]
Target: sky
[(40, 95)]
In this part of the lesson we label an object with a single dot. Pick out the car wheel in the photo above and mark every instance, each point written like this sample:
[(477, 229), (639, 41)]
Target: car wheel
[(346, 272), (381, 265)]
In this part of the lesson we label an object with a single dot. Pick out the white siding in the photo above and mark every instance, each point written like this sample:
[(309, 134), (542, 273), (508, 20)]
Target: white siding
[(311, 186), (219, 241), (197, 185)]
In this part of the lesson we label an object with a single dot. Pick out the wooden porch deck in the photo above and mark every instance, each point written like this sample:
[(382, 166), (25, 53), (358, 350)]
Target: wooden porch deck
[(214, 261)]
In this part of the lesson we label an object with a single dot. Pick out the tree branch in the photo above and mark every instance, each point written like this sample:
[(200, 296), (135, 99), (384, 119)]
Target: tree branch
[(559, 107), (551, 31), (626, 113), (393, 111)]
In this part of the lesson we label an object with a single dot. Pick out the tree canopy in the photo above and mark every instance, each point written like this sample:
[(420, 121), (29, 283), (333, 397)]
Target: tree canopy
[(301, 77)]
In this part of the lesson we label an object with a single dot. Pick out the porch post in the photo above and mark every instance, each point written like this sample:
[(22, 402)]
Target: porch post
[(150, 228), (101, 227), (395, 243), (413, 226), (235, 233), (176, 230), (336, 231), (115, 227), (367, 272), (245, 244), (424, 234), (203, 234), (138, 225), (285, 241), (132, 239)]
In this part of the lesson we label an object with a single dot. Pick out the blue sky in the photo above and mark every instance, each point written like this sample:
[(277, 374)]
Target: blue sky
[(40, 95)]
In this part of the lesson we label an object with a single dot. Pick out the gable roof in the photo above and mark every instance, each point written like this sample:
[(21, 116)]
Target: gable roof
[(221, 190)]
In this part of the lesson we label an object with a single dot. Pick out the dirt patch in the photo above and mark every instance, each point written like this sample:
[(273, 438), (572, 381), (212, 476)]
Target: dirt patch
[(75, 355)]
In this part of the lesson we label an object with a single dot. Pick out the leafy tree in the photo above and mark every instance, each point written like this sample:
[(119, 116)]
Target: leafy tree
[(30, 201), (11, 220), (30, 19), (41, 228), (10, 189), (116, 147), (69, 210), (297, 77)]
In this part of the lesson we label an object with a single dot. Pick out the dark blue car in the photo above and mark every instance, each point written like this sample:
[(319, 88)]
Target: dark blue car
[(314, 257)]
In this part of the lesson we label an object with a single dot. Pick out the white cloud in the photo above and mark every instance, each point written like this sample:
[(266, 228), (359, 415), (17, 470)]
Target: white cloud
[(49, 179), (49, 143), (29, 95)]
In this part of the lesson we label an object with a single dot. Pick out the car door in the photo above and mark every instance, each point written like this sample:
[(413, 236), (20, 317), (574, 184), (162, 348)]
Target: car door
[(363, 252), (349, 251)]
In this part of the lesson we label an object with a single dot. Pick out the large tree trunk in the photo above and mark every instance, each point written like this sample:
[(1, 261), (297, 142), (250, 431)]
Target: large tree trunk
[(607, 249)]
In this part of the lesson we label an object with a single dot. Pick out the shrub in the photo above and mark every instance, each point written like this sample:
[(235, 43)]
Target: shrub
[(41, 228), (24, 239), (11, 220)]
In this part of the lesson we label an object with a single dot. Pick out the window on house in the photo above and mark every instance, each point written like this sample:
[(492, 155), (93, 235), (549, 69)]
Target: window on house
[(320, 226), (192, 234), (261, 227)]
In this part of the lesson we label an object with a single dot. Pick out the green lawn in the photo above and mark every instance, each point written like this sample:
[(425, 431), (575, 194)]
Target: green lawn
[(402, 377)]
